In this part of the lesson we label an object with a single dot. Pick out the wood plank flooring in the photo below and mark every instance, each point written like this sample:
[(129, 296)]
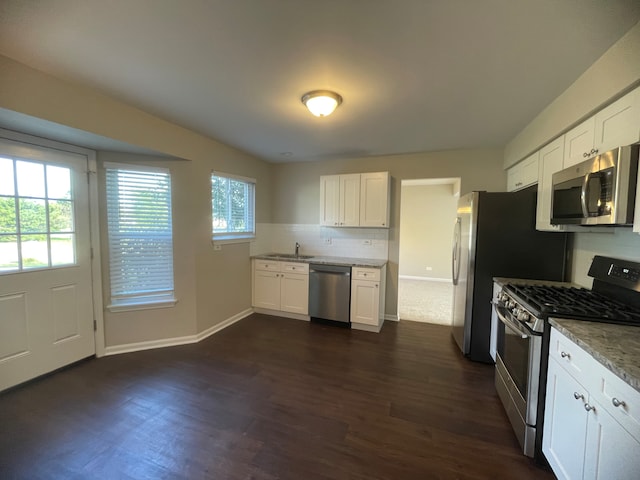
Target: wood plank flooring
[(268, 398)]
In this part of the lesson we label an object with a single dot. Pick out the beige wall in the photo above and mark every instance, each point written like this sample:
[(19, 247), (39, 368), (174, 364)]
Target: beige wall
[(296, 188), (612, 75), (427, 214), (211, 285)]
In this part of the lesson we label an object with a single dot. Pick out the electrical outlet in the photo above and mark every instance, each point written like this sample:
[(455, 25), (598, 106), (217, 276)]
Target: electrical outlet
[(327, 241), (429, 269), (217, 247)]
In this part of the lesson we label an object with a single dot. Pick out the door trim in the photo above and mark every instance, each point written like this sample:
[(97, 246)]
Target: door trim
[(94, 225)]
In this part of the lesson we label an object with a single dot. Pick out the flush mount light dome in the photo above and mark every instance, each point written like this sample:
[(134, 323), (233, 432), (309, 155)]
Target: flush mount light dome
[(321, 102)]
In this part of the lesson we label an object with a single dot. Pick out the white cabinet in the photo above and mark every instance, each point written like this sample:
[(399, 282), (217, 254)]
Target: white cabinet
[(551, 158), (374, 199), (281, 286), (592, 419), (367, 298), (349, 200), (355, 200), (523, 174), (340, 200), (616, 125), (578, 143), (330, 200)]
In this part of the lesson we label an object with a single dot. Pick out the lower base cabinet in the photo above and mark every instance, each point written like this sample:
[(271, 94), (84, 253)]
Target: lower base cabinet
[(582, 439), (281, 286), (367, 298)]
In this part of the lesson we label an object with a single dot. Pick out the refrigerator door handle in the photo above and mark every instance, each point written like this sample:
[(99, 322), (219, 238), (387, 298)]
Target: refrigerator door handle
[(455, 255)]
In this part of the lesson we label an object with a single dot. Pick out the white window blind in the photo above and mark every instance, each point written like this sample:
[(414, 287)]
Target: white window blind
[(140, 235), (233, 206)]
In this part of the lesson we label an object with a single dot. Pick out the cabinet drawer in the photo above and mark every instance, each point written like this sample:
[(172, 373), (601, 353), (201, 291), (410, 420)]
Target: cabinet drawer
[(572, 358), (269, 265), (295, 267), (611, 391), (359, 273)]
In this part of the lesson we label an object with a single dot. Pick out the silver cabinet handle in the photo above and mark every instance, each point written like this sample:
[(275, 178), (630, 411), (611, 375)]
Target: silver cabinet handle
[(588, 407), (578, 396), (565, 355), (376, 285), (618, 403)]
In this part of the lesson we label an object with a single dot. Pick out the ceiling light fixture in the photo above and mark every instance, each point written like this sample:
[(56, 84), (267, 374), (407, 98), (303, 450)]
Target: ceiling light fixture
[(321, 102)]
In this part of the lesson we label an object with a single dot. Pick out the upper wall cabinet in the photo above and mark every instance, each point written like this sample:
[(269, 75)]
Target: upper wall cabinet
[(551, 158), (523, 174), (355, 200), (374, 199), (615, 125)]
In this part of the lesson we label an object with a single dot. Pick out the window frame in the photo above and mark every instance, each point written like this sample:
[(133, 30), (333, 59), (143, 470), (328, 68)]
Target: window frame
[(235, 237), (139, 299)]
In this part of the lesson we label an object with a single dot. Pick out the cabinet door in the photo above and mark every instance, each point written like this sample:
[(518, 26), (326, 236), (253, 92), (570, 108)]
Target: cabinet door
[(374, 199), (350, 200), (523, 174), (619, 123), (611, 451), (294, 293), (578, 143), (565, 423), (551, 158), (330, 200), (514, 178), (365, 302), (266, 289)]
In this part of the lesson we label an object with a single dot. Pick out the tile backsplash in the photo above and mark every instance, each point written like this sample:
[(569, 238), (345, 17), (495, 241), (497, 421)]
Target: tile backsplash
[(318, 240)]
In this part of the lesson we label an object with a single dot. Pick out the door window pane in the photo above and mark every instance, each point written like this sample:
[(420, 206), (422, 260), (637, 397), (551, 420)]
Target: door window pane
[(8, 253), (30, 179), (63, 249), (8, 215), (35, 251), (58, 182), (6, 177), (41, 233), (60, 216), (33, 216)]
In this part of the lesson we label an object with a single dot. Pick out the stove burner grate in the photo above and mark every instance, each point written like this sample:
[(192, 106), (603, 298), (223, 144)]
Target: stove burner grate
[(548, 301)]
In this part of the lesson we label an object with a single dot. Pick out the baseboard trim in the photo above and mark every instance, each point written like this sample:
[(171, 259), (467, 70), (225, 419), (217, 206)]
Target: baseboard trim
[(224, 324), (428, 279), (391, 318), (175, 341), (279, 313)]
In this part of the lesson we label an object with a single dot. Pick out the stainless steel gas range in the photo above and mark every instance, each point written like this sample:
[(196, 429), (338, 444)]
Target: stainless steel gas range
[(523, 308)]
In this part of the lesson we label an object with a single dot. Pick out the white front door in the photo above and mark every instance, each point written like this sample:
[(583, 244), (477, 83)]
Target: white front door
[(46, 303)]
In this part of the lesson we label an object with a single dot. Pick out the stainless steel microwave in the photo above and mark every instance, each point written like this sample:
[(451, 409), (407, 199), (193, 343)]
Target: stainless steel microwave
[(599, 191)]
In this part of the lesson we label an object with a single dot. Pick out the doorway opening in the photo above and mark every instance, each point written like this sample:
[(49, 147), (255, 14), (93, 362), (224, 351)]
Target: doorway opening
[(427, 215)]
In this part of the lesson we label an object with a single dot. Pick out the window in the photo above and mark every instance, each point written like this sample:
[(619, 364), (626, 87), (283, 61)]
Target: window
[(140, 236), (37, 226), (233, 207)]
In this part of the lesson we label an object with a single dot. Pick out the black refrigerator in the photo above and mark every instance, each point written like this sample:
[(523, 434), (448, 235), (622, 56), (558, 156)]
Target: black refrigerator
[(495, 236)]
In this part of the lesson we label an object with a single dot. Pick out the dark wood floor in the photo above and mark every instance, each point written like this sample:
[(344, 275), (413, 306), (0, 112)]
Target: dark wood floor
[(268, 398)]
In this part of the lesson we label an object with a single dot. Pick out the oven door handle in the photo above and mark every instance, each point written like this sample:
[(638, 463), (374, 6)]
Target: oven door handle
[(521, 330)]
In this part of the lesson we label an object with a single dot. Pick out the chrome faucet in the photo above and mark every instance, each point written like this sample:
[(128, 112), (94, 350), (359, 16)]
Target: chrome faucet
[(297, 248)]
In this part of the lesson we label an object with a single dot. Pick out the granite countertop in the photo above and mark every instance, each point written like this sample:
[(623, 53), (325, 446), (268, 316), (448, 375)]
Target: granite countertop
[(617, 347), (325, 260)]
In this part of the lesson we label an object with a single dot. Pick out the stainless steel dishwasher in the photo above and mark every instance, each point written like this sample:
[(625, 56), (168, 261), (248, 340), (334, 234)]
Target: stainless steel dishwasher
[(329, 292)]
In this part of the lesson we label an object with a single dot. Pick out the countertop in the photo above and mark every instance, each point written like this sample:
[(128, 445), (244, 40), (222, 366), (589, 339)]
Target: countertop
[(325, 260), (617, 347)]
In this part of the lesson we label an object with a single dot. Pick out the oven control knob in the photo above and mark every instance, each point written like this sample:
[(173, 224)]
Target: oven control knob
[(511, 304), (523, 316)]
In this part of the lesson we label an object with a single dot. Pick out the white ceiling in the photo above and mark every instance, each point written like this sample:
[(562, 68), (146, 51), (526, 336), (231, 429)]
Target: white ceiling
[(416, 75)]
